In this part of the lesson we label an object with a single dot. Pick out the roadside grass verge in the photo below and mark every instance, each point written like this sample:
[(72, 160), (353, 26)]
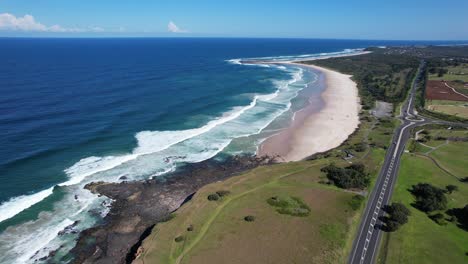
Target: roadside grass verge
[(422, 240)]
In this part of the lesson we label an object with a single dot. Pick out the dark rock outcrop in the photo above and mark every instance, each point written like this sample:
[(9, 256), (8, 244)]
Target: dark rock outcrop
[(139, 205)]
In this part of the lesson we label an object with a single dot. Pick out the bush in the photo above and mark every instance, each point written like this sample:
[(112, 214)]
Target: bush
[(249, 218), (397, 216), (179, 239), (213, 197), (391, 226), (398, 212), (359, 147), (190, 228), (289, 205), (460, 215), (429, 198), (451, 188), (356, 201), (223, 193), (353, 176), (438, 218)]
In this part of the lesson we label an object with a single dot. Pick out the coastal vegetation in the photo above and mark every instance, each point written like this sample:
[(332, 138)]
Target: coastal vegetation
[(292, 189), (428, 204), (379, 76), (352, 176), (428, 197), (290, 203), (430, 184), (218, 195), (397, 216)]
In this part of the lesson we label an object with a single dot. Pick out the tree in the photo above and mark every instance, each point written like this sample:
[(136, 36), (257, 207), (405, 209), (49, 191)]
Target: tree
[(398, 212), (353, 176), (438, 218), (179, 239), (213, 197), (397, 216), (249, 218), (451, 188), (460, 215), (429, 198), (441, 72)]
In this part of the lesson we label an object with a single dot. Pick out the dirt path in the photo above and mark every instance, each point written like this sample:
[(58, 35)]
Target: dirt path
[(218, 210), (455, 91)]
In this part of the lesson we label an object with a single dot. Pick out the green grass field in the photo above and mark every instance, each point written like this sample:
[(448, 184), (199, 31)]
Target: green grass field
[(422, 240), (454, 73), (219, 233), (448, 107)]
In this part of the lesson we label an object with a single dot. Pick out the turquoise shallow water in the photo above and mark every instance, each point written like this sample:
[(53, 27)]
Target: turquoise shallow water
[(74, 111)]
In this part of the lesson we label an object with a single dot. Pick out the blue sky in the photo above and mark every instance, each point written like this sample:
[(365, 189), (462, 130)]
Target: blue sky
[(360, 19)]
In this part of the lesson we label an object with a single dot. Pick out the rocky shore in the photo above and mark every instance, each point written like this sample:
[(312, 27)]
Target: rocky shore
[(139, 205)]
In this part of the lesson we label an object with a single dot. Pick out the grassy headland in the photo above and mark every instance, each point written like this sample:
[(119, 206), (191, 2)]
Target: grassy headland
[(291, 212)]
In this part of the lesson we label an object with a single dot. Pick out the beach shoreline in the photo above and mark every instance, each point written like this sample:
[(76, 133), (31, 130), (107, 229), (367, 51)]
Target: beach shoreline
[(312, 131)]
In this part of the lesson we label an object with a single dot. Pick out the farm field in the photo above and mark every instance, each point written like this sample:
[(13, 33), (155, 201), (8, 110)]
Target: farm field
[(442, 97), (448, 107), (438, 90)]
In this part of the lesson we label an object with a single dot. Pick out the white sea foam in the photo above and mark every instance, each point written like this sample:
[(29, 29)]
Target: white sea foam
[(234, 61), (156, 153), (26, 249), (18, 204), (288, 58)]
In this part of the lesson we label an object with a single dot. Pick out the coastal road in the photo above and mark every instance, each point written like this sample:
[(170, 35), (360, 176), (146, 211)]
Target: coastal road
[(366, 244)]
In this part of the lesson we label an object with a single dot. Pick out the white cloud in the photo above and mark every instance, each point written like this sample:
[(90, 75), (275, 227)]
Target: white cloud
[(171, 27), (28, 23)]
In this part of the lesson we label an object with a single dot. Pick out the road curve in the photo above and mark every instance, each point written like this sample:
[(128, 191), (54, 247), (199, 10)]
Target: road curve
[(367, 242)]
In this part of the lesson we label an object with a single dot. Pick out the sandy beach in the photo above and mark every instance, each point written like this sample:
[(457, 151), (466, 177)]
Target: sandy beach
[(314, 131)]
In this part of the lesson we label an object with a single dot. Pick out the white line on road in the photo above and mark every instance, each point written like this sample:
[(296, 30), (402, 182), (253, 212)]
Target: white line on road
[(399, 139)]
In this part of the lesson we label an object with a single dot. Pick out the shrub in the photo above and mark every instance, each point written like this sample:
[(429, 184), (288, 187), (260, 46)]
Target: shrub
[(179, 239), (397, 216), (356, 202), (438, 218), (391, 226), (429, 198), (353, 176), (460, 215), (190, 228), (359, 147), (223, 193), (249, 218), (289, 205), (213, 197), (451, 188)]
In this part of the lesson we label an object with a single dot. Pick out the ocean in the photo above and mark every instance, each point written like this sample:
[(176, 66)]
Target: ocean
[(73, 111)]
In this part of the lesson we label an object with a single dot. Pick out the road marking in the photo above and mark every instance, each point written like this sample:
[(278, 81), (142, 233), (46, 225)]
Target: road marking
[(399, 139), (388, 174)]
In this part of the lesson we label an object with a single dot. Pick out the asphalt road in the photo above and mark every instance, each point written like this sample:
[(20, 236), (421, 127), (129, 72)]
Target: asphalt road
[(366, 244)]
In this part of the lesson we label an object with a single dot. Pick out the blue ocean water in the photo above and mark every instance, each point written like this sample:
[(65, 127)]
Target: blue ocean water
[(77, 110)]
